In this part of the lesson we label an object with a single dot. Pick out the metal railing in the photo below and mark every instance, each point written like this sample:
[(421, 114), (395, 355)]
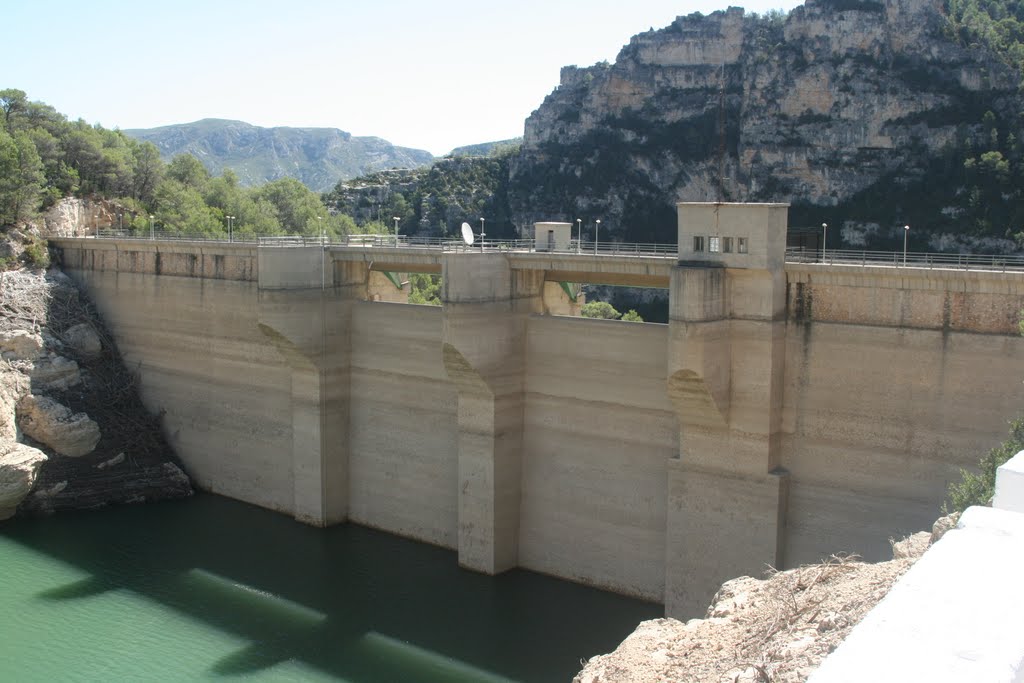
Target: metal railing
[(444, 244), (845, 257), (910, 259)]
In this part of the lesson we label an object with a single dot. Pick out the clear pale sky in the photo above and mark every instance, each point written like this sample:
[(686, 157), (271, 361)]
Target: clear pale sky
[(430, 75)]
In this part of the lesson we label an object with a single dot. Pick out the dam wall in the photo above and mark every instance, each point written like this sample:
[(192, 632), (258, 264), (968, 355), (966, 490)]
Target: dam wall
[(786, 412), (895, 379), (599, 432)]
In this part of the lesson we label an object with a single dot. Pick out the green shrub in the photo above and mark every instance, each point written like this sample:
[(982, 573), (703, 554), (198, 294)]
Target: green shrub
[(978, 488), (36, 255)]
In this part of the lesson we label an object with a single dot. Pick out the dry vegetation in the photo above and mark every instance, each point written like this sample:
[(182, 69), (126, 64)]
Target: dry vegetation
[(776, 629)]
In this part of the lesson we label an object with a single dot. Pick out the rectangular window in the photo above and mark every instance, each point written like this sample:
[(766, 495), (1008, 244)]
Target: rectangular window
[(715, 244), (698, 243), (741, 245), (727, 245)]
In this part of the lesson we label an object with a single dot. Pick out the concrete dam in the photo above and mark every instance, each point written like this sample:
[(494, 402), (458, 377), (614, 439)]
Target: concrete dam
[(787, 410)]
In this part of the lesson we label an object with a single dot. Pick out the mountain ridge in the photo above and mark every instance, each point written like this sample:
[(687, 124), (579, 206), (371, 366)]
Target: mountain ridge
[(317, 156)]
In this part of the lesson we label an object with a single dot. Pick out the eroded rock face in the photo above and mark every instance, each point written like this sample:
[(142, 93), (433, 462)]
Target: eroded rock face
[(19, 466), (53, 424)]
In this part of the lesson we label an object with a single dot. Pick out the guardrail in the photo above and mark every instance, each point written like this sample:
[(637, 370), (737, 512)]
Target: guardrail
[(445, 244), (910, 259), (896, 259)]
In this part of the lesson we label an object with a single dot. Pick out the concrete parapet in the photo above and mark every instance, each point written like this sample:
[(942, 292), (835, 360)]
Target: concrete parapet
[(953, 617), (216, 261), (1009, 493), (987, 302)]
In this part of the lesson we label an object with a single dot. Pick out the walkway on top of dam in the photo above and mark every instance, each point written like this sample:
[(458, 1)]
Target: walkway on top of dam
[(633, 264)]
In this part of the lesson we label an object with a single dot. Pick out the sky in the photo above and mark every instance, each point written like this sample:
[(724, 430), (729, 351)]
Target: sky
[(429, 75)]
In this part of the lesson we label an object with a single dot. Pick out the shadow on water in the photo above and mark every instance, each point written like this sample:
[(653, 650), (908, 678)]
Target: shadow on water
[(355, 603)]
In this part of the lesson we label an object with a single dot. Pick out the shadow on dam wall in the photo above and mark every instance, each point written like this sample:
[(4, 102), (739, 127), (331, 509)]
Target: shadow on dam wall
[(349, 601)]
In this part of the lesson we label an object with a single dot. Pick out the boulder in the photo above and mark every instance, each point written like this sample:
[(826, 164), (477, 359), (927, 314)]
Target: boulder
[(19, 466), (84, 340), (13, 385), (20, 345), (944, 524), (911, 547), (53, 424), (56, 373)]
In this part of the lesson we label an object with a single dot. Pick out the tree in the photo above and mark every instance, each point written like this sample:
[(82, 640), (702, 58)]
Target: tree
[(147, 170), (425, 288), (188, 171), (21, 177), (600, 309), (632, 316), (12, 103), (297, 207)]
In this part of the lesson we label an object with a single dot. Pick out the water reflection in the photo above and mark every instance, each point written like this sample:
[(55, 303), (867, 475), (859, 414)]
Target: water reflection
[(354, 603)]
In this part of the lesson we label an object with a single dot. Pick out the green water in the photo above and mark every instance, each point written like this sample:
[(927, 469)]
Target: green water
[(209, 588)]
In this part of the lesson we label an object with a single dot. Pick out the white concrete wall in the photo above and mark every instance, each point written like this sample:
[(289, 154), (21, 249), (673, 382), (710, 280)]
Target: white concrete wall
[(599, 432), (403, 462), (1009, 493), (955, 616), (224, 389)]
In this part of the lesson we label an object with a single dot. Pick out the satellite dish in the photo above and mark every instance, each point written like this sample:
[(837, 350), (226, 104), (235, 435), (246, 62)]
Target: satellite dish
[(467, 234)]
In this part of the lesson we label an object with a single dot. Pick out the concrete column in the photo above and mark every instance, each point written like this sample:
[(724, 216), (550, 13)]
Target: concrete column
[(485, 309), (726, 492), (306, 310)]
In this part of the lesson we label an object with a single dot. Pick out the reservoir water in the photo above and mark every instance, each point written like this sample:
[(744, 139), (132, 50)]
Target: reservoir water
[(209, 588)]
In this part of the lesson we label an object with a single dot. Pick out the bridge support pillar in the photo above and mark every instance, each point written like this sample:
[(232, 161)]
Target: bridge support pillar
[(727, 492), (306, 311), (486, 304)]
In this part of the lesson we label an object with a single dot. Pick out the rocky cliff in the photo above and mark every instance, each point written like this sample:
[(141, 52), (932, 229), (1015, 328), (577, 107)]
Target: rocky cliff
[(859, 113), (73, 432)]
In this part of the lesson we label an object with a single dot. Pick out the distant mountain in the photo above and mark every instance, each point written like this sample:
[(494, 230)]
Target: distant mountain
[(486, 149), (319, 157)]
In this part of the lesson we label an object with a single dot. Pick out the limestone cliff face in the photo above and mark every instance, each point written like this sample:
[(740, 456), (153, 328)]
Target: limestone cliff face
[(815, 107)]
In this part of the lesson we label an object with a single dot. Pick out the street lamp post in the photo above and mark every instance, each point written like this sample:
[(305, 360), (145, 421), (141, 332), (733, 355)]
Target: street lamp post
[(320, 229), (120, 221), (152, 230), (396, 219), (579, 234), (482, 233), (230, 233), (906, 231), (597, 231), (824, 240)]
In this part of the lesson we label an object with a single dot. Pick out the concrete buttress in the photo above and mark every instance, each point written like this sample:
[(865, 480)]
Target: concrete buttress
[(486, 305), (305, 310), (726, 492)]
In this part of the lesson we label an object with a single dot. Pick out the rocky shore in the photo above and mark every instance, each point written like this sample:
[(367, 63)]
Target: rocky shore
[(73, 432), (779, 628)]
